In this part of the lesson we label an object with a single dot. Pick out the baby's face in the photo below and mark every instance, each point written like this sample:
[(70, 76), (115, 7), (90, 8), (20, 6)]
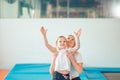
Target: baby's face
[(61, 43)]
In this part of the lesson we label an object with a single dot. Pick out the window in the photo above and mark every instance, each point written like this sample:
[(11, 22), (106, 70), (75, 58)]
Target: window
[(59, 8)]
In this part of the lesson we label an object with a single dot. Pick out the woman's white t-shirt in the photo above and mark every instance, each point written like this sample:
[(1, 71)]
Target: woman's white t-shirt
[(78, 59)]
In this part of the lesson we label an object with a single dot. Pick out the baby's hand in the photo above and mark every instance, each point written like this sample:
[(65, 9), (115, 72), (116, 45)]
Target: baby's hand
[(78, 33), (43, 31)]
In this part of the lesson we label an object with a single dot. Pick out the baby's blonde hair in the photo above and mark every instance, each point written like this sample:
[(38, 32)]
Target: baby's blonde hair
[(61, 37)]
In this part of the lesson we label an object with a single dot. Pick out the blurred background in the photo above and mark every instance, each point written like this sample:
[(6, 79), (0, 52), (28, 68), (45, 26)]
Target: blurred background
[(59, 8)]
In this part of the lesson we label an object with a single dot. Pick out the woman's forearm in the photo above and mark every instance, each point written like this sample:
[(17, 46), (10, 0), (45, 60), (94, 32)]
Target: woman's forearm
[(78, 66)]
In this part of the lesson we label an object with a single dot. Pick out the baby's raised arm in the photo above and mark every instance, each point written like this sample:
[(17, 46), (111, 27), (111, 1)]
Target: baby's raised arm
[(50, 47), (77, 36)]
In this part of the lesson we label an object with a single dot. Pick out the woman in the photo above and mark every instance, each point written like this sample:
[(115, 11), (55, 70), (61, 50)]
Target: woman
[(76, 60)]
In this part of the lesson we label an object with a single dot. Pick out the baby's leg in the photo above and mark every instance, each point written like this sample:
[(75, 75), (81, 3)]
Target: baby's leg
[(52, 66)]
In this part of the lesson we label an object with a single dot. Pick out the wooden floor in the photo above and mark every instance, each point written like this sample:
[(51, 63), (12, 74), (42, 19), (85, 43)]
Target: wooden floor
[(3, 73), (112, 76)]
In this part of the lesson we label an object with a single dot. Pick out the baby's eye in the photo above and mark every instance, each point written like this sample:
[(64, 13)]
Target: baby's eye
[(60, 41)]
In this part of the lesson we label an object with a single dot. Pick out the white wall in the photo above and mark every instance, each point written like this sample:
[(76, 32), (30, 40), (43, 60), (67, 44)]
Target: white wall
[(21, 41)]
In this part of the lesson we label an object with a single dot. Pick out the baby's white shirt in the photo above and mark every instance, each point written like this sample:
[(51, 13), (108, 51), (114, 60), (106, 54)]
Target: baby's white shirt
[(62, 62)]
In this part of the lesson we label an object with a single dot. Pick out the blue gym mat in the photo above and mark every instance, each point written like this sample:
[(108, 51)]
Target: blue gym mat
[(29, 72), (41, 72), (32, 72)]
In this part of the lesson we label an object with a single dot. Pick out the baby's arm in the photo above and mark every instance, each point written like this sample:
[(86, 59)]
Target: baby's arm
[(77, 36), (50, 47)]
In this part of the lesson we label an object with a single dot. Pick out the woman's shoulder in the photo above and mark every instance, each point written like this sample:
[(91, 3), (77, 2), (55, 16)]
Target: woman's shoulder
[(78, 57), (77, 54)]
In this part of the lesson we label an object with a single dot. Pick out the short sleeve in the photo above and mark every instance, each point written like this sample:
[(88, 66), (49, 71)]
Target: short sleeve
[(78, 58)]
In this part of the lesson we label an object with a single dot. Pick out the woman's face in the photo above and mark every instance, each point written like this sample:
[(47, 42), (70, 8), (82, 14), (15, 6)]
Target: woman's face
[(71, 41)]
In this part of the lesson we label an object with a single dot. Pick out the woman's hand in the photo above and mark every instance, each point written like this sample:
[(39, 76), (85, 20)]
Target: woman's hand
[(70, 55)]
